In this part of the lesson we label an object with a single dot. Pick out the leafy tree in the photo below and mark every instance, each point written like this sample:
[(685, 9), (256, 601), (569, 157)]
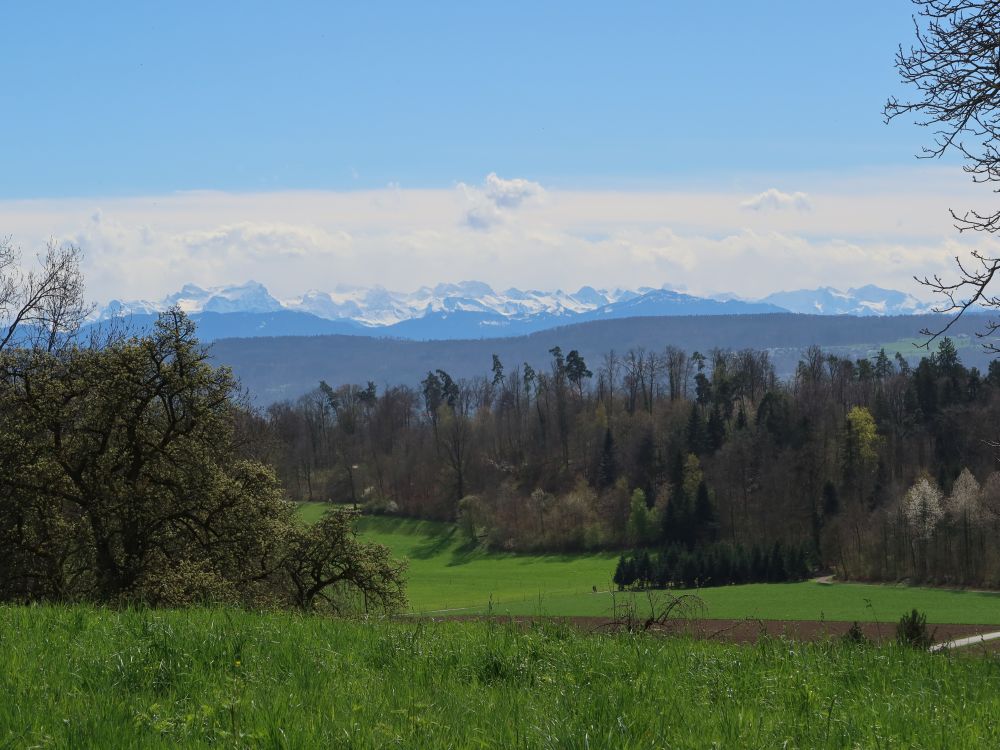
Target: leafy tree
[(693, 476), (638, 519), (326, 562), (861, 442), (122, 479), (862, 436)]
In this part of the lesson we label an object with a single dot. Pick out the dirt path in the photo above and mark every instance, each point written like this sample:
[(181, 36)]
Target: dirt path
[(973, 640)]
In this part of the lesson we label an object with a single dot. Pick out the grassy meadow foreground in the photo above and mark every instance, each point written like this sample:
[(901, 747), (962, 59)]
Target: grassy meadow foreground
[(85, 677), (445, 575)]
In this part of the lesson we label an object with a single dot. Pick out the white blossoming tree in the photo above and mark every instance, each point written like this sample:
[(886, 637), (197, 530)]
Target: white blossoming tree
[(965, 502), (922, 508), (965, 507), (990, 497)]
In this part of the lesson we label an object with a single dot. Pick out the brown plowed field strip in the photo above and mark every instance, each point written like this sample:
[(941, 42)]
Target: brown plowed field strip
[(748, 631)]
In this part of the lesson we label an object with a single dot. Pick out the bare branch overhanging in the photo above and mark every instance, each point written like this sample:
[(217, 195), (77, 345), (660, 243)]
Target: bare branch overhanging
[(955, 68)]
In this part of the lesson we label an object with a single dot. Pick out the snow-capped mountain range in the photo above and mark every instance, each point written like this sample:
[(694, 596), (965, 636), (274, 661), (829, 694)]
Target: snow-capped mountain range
[(866, 300), (380, 307), (472, 309)]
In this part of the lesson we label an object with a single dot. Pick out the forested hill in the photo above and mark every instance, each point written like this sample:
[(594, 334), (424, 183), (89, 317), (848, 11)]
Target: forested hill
[(279, 368)]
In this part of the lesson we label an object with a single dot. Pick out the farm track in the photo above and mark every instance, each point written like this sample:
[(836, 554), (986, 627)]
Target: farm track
[(985, 640)]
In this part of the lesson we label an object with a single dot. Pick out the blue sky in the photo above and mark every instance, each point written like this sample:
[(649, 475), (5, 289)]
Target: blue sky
[(713, 147), (139, 98)]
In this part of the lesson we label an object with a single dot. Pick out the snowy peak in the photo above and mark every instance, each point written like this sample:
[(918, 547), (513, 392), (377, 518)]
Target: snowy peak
[(380, 307), (662, 302), (250, 297), (478, 307), (865, 300)]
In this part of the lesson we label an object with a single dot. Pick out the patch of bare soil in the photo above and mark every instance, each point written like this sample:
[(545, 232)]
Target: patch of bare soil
[(747, 630)]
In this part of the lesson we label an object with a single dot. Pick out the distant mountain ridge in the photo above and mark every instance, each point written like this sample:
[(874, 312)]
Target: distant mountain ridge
[(863, 301), (473, 309), (285, 367)]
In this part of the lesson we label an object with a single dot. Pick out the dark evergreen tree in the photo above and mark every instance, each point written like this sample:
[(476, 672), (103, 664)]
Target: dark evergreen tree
[(776, 564), (497, 371), (696, 437), (607, 471), (621, 578), (993, 374), (716, 429), (831, 503), (741, 418), (703, 389), (576, 370), (704, 515)]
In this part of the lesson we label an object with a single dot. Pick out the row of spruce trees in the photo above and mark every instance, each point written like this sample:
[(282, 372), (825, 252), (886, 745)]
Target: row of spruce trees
[(718, 564)]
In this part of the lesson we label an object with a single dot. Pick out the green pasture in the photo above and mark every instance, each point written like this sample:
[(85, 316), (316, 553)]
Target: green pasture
[(790, 601), (446, 576), (83, 677), (914, 346)]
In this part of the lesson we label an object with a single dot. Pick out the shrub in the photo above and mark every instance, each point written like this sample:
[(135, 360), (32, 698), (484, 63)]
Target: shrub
[(912, 631), (855, 636)]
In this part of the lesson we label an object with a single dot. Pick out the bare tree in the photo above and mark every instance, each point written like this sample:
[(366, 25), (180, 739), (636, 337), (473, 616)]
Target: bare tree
[(955, 68), (42, 308)]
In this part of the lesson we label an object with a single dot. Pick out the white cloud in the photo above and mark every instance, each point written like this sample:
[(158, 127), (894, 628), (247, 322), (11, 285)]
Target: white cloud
[(510, 193), (488, 204), (773, 199), (263, 242), (880, 229)]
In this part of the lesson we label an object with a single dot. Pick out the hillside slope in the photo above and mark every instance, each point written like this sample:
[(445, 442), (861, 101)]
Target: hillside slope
[(275, 368)]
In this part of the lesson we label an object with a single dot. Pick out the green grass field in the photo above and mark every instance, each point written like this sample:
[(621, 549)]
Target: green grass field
[(913, 346), (79, 677), (796, 601), (446, 577)]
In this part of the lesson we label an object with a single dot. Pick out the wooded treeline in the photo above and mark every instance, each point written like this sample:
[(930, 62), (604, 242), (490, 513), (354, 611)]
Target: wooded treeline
[(645, 449)]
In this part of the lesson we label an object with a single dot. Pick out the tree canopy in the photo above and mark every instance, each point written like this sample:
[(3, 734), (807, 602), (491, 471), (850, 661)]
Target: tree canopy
[(123, 478)]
